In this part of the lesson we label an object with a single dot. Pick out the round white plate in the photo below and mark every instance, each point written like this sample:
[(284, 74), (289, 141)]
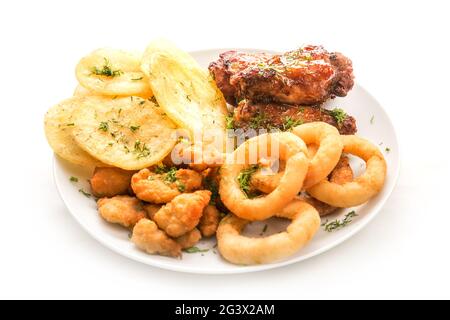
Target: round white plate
[(373, 123)]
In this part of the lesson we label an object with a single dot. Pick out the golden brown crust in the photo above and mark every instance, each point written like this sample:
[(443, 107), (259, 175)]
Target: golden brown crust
[(209, 221), (189, 239), (183, 213), (110, 181), (158, 188), (123, 210), (149, 238)]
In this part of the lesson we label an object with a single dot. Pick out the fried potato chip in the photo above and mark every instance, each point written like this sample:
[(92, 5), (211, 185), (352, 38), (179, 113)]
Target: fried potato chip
[(186, 92), (130, 133), (81, 91), (58, 124), (114, 73)]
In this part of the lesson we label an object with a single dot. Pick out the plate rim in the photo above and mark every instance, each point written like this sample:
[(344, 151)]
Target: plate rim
[(252, 268)]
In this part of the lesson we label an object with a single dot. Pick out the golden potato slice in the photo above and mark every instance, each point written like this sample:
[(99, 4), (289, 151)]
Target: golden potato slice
[(165, 47), (186, 92), (81, 91), (114, 73), (59, 123), (130, 133)]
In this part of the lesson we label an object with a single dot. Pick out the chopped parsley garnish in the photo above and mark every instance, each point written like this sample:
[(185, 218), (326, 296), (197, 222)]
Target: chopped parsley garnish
[(171, 175), (134, 128), (244, 179), (106, 70), (387, 149), (339, 224), (137, 79), (103, 126), (141, 149), (141, 103), (195, 250), (257, 121), (73, 179), (339, 115), (181, 186), (86, 194), (371, 119), (229, 121), (70, 124), (160, 169), (290, 123)]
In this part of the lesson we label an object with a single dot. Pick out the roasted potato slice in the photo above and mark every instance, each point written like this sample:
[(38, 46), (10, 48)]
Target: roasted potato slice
[(114, 73), (186, 92), (59, 123), (130, 133)]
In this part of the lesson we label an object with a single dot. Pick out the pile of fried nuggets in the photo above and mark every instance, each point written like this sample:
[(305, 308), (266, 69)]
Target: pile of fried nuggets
[(164, 219)]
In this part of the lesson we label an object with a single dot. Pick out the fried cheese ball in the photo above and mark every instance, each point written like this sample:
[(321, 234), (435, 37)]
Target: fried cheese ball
[(183, 213), (123, 210), (110, 181), (209, 221), (149, 238), (189, 239), (162, 188)]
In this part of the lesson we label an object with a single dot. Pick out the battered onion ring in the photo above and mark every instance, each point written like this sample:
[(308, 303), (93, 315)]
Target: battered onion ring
[(244, 250), (327, 156), (291, 149), (363, 187)]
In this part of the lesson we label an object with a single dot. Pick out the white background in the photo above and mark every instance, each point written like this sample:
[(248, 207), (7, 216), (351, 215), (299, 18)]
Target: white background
[(401, 54)]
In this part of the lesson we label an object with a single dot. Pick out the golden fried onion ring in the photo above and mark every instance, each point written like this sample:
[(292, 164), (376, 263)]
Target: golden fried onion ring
[(244, 250), (291, 149), (327, 156), (363, 187)]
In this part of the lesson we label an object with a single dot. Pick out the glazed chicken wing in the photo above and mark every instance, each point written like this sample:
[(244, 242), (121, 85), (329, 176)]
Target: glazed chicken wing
[(308, 76), (253, 115)]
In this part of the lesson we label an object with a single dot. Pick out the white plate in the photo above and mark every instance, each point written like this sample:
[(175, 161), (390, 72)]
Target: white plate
[(358, 103)]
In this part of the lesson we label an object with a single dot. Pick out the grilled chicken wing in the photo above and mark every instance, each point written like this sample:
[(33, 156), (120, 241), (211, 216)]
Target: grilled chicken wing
[(282, 116), (308, 76)]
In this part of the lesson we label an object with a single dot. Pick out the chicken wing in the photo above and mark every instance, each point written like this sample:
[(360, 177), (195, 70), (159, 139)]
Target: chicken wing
[(308, 76)]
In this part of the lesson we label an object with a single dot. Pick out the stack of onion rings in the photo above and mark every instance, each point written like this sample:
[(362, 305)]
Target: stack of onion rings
[(291, 149), (327, 155), (306, 168)]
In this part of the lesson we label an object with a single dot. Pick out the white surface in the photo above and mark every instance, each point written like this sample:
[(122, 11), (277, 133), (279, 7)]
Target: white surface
[(399, 53), (380, 132)]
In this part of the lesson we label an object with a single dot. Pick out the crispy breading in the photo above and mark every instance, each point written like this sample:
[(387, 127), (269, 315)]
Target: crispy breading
[(162, 188), (209, 221), (148, 237), (123, 210), (189, 239), (110, 181), (183, 213)]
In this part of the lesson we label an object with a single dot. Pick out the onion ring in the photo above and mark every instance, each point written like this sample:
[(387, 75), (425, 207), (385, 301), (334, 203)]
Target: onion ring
[(291, 149), (327, 156), (267, 182), (244, 250), (363, 187)]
